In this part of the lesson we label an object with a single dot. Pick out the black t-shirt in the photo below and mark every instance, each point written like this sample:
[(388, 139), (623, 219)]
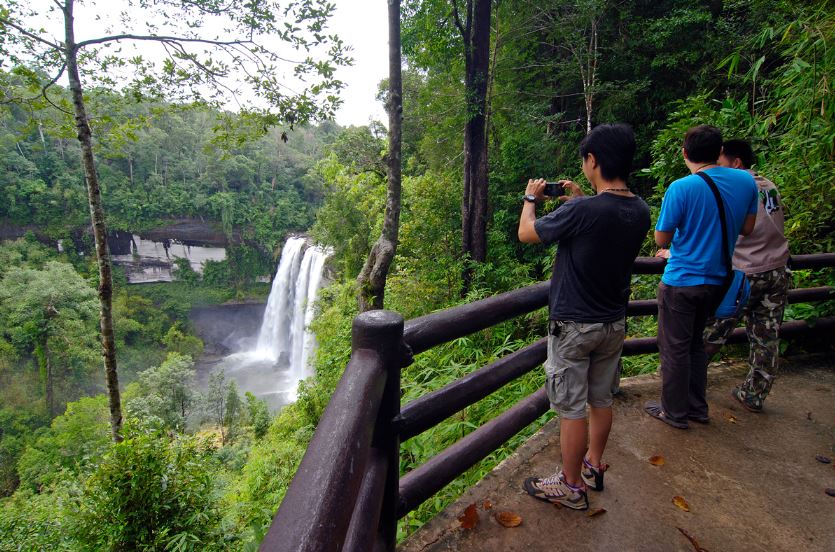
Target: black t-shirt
[(599, 238)]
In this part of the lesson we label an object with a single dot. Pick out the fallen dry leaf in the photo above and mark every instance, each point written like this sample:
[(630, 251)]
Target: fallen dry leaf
[(731, 418), (487, 504), (469, 519), (595, 512), (508, 519), (693, 541), (681, 503), (823, 459), (657, 460)]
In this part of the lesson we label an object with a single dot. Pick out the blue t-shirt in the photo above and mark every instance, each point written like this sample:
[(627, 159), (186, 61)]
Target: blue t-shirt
[(689, 209)]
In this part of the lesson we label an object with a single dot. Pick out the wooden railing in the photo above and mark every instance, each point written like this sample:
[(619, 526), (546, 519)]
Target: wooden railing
[(348, 494)]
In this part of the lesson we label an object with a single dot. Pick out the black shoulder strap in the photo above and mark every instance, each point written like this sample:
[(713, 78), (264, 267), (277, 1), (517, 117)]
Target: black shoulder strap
[(722, 220)]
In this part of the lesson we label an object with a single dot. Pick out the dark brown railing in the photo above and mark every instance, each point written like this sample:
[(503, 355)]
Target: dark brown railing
[(348, 494)]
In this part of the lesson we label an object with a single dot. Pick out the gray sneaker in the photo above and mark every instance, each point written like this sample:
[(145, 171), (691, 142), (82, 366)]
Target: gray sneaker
[(555, 490)]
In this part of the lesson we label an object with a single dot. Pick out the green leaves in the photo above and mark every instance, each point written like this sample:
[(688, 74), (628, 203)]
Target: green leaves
[(166, 496)]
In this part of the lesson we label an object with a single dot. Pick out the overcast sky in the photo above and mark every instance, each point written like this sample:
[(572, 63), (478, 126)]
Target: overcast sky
[(362, 24)]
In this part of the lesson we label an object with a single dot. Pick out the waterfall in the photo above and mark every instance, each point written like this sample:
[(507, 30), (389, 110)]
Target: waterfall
[(273, 368), (284, 335), (274, 336), (301, 358)]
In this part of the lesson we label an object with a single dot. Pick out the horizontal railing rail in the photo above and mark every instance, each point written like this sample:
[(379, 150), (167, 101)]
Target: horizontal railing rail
[(347, 493), (432, 476), (430, 409), (424, 481), (433, 329)]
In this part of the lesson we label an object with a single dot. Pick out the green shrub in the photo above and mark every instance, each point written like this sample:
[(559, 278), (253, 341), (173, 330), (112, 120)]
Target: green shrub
[(152, 491)]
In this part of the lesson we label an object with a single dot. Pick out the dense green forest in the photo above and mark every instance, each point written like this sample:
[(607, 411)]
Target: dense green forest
[(159, 162), (206, 468)]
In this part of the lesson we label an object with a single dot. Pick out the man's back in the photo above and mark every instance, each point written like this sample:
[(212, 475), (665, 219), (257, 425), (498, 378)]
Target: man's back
[(599, 238), (766, 247), (689, 209)]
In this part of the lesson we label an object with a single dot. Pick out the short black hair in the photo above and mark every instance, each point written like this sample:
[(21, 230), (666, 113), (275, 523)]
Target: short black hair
[(703, 144), (613, 147), (739, 149)]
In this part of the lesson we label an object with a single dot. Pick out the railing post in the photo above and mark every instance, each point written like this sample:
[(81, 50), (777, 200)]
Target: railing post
[(325, 496), (382, 331)]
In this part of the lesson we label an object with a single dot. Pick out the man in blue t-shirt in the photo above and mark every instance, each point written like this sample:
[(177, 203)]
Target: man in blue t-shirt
[(691, 286), (599, 237)]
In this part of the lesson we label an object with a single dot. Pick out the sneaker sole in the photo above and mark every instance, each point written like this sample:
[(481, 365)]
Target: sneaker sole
[(538, 494)]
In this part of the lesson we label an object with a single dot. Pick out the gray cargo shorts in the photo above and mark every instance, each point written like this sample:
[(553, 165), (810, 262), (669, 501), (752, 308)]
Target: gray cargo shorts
[(582, 365)]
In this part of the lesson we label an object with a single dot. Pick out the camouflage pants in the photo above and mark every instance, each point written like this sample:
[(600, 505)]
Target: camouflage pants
[(763, 315)]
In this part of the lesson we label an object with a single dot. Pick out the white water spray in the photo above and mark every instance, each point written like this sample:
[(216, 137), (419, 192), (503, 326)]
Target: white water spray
[(280, 359), (274, 335), (284, 334)]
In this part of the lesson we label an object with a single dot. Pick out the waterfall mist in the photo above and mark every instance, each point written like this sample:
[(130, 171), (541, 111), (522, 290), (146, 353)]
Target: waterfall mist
[(281, 356)]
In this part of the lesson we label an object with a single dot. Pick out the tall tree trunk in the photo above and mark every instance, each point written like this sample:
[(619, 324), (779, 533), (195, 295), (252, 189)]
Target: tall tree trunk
[(99, 230), (372, 277), (590, 82), (476, 34)]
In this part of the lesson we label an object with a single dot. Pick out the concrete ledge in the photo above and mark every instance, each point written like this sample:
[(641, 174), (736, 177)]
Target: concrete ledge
[(751, 480)]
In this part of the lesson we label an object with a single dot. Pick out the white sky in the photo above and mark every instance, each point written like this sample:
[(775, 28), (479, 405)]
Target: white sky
[(362, 24)]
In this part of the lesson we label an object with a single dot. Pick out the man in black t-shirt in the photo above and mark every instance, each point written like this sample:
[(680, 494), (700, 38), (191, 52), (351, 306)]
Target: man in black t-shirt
[(599, 237)]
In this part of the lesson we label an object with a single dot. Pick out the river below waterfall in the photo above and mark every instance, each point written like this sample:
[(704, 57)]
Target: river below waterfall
[(271, 363)]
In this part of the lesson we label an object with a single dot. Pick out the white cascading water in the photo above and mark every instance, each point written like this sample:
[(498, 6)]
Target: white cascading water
[(301, 354), (274, 335), (290, 307), (280, 359)]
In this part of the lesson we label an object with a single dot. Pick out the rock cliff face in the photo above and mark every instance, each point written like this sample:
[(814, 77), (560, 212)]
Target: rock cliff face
[(148, 256), (148, 260), (192, 232), (12, 232)]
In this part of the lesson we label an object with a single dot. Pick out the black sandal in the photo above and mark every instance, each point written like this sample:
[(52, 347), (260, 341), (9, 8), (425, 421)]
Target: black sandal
[(653, 408)]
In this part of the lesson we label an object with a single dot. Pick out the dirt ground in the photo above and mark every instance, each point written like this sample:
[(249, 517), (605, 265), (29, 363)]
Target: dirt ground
[(752, 481)]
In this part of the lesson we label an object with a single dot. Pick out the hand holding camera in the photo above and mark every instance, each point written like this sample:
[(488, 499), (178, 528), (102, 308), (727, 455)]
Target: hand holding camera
[(562, 189), (553, 189)]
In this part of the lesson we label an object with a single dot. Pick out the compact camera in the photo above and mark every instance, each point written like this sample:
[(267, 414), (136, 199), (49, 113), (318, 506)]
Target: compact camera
[(554, 189)]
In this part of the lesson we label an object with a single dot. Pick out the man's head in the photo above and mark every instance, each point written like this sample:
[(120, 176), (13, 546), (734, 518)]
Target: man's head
[(736, 154), (702, 144), (607, 153)]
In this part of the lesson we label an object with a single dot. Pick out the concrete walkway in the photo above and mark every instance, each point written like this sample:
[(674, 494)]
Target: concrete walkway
[(752, 481)]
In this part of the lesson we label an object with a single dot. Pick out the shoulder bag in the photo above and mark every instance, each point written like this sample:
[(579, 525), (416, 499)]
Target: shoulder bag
[(736, 287)]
